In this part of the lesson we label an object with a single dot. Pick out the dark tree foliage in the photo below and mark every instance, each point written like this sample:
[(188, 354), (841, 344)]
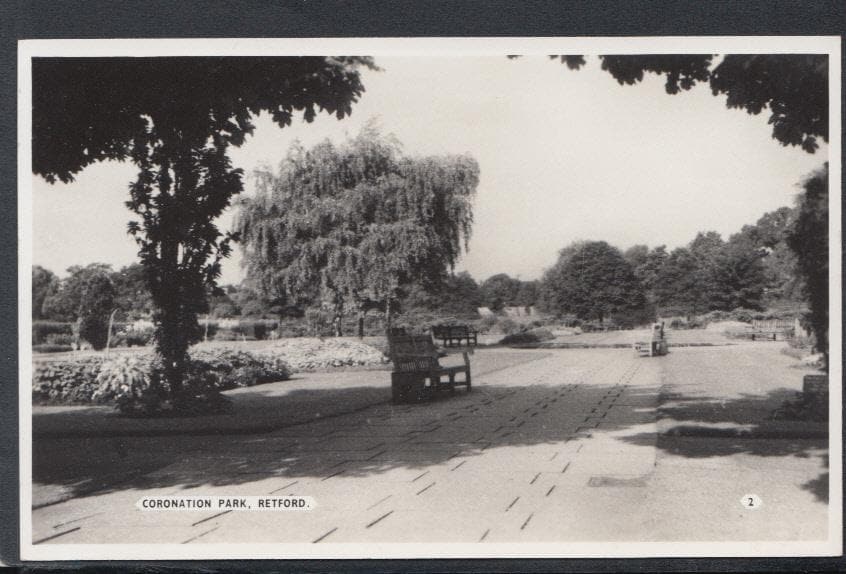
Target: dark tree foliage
[(44, 284), (793, 87), (677, 285), (457, 295), (593, 281), (175, 118), (711, 274), (500, 291), (706, 249), (132, 296), (96, 304), (809, 239), (527, 295), (647, 265), (770, 234), (739, 276), (682, 71), (64, 303)]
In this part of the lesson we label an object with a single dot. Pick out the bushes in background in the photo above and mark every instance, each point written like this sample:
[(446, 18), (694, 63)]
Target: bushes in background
[(43, 329), (536, 335), (51, 348)]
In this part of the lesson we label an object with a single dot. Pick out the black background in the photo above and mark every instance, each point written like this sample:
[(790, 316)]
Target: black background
[(265, 19)]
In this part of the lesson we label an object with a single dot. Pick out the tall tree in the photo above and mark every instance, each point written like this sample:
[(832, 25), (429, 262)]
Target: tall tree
[(647, 264), (809, 239), (132, 296), (739, 275), (64, 304), (349, 226), (500, 291), (593, 281), (770, 234), (44, 284), (706, 249), (527, 295), (457, 295), (677, 288), (96, 305), (175, 118)]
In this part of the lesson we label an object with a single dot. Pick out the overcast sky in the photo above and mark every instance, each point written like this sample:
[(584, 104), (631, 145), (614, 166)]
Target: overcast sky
[(564, 155)]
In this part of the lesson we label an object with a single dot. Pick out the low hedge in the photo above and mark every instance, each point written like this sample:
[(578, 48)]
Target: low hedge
[(51, 348), (527, 337), (41, 329)]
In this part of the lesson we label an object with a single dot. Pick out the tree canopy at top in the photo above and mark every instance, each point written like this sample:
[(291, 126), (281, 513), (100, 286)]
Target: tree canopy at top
[(90, 109), (794, 87)]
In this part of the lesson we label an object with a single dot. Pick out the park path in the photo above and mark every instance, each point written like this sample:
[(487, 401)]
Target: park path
[(563, 448)]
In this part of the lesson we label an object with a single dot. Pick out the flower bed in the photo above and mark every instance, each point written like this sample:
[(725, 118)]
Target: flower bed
[(110, 380), (308, 353)]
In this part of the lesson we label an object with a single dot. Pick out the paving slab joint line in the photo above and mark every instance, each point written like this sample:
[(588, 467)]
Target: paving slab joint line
[(66, 522), (419, 492), (320, 538), (201, 535), (513, 502), (384, 516), (54, 536), (290, 484), (378, 502), (211, 517), (419, 476)]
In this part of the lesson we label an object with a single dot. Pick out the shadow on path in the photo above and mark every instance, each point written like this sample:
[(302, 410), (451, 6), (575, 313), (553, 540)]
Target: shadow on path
[(374, 440), (382, 437)]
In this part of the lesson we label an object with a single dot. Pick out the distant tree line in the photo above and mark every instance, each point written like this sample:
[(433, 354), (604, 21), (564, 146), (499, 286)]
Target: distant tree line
[(754, 269)]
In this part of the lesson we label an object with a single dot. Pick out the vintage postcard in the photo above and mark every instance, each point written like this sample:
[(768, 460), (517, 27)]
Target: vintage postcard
[(431, 297)]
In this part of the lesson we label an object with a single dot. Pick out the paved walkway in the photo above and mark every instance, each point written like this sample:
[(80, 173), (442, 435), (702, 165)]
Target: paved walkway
[(574, 446)]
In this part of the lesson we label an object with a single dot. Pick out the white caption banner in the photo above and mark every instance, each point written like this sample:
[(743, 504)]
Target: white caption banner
[(210, 503)]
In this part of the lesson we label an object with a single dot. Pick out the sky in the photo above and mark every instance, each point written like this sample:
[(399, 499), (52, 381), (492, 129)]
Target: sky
[(564, 156)]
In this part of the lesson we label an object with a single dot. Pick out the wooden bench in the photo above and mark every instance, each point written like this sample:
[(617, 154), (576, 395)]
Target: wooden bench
[(417, 370), (455, 335)]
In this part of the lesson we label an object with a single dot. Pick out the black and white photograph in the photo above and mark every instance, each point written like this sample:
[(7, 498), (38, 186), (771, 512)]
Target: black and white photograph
[(430, 297)]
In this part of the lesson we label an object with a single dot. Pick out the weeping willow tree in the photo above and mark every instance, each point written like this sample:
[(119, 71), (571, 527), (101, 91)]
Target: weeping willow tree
[(346, 227)]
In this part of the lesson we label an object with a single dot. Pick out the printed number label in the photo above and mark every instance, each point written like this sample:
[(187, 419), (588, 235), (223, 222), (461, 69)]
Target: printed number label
[(751, 502)]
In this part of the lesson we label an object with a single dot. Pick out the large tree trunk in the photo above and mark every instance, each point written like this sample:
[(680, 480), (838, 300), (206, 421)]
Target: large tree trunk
[(171, 340), (175, 316)]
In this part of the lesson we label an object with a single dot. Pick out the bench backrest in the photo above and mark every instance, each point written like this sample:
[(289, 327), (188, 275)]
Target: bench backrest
[(454, 331), (413, 353), (440, 330)]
